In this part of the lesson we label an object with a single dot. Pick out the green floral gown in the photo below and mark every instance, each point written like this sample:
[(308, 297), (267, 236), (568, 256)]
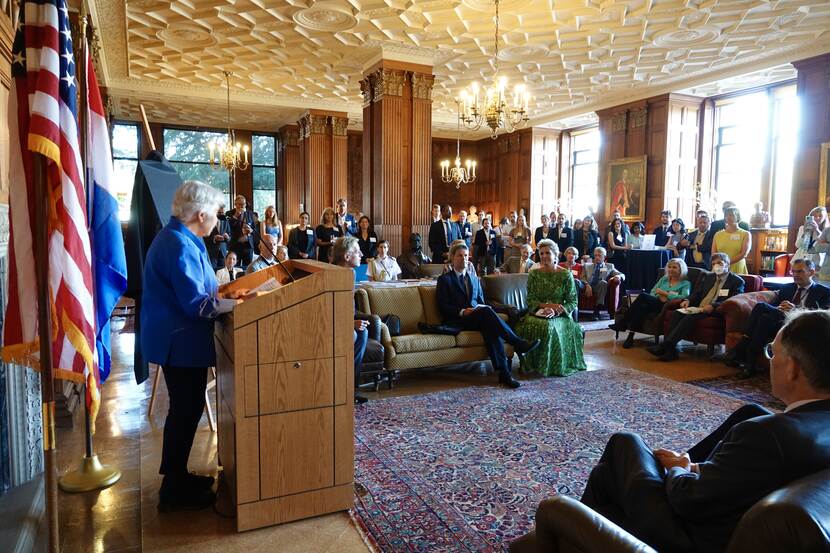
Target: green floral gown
[(560, 352)]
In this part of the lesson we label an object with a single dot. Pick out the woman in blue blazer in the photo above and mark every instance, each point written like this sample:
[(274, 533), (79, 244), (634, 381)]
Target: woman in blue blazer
[(178, 308)]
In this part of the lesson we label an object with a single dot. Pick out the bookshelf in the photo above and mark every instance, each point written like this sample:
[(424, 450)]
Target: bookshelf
[(767, 244)]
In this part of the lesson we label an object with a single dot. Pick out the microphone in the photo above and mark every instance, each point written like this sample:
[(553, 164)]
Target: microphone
[(277, 259)]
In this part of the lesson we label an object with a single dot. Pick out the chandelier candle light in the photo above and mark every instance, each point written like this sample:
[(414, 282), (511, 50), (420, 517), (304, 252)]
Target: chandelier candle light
[(229, 155), (456, 173), (493, 107)]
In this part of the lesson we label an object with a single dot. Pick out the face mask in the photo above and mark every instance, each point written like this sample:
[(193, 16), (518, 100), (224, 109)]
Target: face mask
[(718, 269)]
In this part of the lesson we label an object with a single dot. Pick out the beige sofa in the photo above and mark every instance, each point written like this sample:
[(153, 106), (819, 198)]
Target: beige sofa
[(412, 350)]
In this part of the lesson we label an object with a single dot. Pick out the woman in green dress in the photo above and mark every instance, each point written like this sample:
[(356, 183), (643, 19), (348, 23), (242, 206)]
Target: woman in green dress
[(551, 297)]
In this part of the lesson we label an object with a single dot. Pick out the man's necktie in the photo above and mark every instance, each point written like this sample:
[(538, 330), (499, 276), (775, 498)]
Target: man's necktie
[(596, 275), (232, 273), (797, 298), (447, 233), (465, 285)]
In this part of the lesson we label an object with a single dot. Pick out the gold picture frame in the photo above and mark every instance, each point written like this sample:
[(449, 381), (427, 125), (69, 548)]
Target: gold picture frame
[(625, 187), (824, 175)]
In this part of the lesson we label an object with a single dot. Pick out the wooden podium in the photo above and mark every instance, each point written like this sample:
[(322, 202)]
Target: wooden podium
[(285, 391)]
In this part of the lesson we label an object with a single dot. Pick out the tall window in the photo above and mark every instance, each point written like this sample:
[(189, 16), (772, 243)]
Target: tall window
[(584, 173), (124, 162), (264, 172), (754, 150), (188, 152)]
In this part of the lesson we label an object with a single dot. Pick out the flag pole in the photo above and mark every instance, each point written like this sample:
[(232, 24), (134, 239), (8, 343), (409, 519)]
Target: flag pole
[(44, 315), (91, 475)]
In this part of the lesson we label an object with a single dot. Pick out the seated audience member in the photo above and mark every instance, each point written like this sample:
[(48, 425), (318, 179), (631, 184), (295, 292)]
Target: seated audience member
[(720, 224), (634, 241), (411, 261), (282, 253), (230, 271), (326, 233), (465, 229), (563, 235), (809, 233), (441, 234), (662, 232), (767, 318), (699, 243), (617, 238), (345, 252), (518, 264), (383, 267), (733, 241), (596, 276), (461, 303), (711, 291), (693, 501), (675, 241), (551, 293), (366, 239), (586, 239), (470, 265), (301, 239), (674, 285), (485, 248), (572, 264), (267, 255)]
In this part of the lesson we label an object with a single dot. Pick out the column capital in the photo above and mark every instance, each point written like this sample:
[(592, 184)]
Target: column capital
[(366, 89), (422, 86), (312, 123), (339, 125), (289, 135), (387, 82)]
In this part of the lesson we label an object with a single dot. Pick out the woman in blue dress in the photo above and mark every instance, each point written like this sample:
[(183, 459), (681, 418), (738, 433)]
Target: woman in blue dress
[(272, 225)]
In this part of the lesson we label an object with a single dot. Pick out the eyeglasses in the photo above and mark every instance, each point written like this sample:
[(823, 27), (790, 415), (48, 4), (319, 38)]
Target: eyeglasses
[(768, 353)]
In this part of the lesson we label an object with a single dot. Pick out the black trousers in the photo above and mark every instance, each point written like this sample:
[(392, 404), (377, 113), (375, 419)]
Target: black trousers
[(186, 389), (644, 305), (494, 330), (627, 485), (681, 325), (764, 323)]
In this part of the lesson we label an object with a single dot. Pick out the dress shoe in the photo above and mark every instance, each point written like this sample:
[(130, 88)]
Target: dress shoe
[(509, 381), (359, 400), (657, 350), (199, 481), (669, 355), (173, 499), (629, 342), (526, 346)]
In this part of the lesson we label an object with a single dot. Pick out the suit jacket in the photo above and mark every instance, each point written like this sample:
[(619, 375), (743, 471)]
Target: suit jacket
[(755, 458), (818, 297), (661, 235), (346, 223), (608, 270), (705, 249), (452, 298), (236, 223), (218, 250), (564, 238), (481, 243), (734, 286), (586, 247), (465, 232), (513, 264), (439, 244)]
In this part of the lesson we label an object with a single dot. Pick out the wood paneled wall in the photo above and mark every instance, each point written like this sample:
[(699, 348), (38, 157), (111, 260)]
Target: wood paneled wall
[(359, 199), (324, 144), (290, 177), (446, 193)]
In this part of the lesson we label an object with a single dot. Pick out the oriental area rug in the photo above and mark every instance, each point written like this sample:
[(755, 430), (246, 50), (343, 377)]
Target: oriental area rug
[(749, 390), (464, 470)]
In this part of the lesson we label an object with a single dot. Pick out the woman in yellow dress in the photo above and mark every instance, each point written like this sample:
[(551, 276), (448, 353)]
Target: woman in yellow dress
[(733, 241)]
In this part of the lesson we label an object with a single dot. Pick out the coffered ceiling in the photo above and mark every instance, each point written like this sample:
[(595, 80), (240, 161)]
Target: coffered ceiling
[(575, 55)]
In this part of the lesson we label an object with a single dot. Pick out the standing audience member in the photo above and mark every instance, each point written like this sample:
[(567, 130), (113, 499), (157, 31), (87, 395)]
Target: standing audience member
[(345, 252), (572, 264), (441, 234), (543, 231), (485, 248), (615, 216), (518, 264), (519, 237), (709, 293), (596, 276), (301, 239), (587, 239), (678, 236), (505, 228), (634, 241), (699, 243), (465, 229), (266, 257), (767, 318), (694, 501), (366, 239), (808, 235), (271, 224), (217, 242), (230, 271), (436, 213), (326, 233), (461, 303), (617, 246), (674, 285), (563, 235), (475, 217), (383, 267), (720, 224), (343, 219), (663, 230), (733, 241), (241, 222), (179, 306), (551, 297)]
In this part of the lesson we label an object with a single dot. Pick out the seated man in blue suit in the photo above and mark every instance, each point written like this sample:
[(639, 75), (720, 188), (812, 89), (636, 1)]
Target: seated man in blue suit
[(767, 318), (461, 303), (693, 501)]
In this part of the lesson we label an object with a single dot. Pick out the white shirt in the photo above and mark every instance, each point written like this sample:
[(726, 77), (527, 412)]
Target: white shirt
[(384, 269), (224, 277)]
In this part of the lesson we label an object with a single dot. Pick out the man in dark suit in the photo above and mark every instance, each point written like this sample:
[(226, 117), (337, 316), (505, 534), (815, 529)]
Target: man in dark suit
[(767, 318), (217, 242), (241, 222), (720, 224), (662, 232), (563, 235), (465, 229), (485, 248), (693, 501), (699, 243), (461, 303), (441, 234), (711, 291)]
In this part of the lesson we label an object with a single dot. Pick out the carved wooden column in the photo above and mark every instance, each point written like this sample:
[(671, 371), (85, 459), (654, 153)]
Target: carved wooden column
[(324, 159), (291, 175), (397, 144), (339, 158)]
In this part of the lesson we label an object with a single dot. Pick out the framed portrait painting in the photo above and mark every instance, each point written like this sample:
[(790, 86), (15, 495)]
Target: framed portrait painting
[(626, 187), (824, 175)]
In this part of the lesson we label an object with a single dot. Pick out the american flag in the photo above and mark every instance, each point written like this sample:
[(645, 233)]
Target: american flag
[(43, 118)]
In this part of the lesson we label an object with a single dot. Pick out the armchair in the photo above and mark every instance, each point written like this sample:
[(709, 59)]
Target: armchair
[(373, 358), (612, 298)]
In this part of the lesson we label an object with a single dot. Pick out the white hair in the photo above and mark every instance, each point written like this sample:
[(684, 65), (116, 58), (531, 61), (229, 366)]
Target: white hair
[(194, 197)]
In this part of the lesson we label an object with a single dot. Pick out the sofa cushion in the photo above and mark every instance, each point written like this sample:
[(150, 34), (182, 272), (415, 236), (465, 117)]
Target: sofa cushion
[(429, 299), (403, 302), (411, 343), (469, 338)]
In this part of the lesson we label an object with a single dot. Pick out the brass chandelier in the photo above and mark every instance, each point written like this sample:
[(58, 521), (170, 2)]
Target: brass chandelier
[(493, 107), (230, 154), (456, 173)]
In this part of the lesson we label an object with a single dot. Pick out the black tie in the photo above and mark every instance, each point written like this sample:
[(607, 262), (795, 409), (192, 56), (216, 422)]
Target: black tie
[(232, 273), (797, 298)]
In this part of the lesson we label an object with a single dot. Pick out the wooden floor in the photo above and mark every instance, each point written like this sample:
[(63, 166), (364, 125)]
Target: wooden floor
[(124, 518)]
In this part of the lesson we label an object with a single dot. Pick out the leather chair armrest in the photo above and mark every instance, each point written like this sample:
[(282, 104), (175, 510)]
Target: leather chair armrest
[(374, 324), (386, 340), (565, 524)]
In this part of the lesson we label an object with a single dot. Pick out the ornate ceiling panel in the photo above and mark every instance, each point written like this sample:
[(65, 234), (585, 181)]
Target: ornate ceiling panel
[(575, 55)]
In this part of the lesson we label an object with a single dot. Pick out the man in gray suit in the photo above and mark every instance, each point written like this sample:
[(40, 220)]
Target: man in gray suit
[(596, 276), (516, 264)]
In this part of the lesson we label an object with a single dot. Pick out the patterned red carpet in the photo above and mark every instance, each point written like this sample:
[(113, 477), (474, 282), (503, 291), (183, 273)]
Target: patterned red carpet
[(463, 470)]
